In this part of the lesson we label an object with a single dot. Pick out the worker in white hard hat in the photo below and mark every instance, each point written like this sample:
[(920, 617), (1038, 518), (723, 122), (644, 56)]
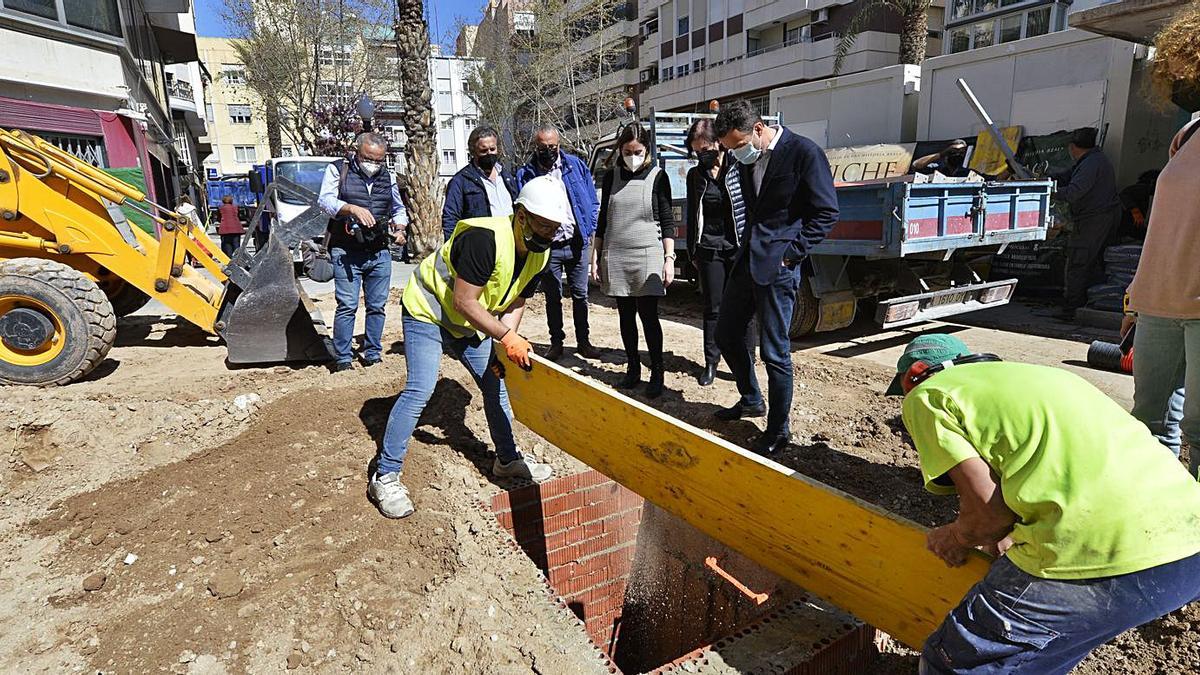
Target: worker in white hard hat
[(469, 292)]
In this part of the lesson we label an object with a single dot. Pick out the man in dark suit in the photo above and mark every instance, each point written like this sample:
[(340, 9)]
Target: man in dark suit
[(483, 187), (790, 205)]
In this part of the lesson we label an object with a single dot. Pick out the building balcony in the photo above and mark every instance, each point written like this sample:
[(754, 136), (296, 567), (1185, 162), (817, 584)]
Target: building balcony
[(181, 96), (771, 66)]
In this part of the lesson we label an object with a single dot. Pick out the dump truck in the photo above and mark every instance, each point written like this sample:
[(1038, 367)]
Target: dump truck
[(905, 250), (70, 266)]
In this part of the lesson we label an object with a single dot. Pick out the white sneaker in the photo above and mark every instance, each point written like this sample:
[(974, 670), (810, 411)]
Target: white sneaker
[(390, 495), (523, 467)]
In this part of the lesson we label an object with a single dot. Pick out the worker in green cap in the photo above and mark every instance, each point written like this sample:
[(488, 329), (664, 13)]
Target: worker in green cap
[(1095, 525)]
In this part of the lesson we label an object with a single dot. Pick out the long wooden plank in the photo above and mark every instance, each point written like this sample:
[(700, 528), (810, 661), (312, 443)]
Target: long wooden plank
[(864, 559)]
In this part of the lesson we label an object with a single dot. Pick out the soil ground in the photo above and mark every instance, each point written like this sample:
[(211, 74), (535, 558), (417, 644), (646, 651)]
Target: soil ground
[(242, 495)]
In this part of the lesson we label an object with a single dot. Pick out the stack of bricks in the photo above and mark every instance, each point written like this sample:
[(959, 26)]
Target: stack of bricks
[(581, 530)]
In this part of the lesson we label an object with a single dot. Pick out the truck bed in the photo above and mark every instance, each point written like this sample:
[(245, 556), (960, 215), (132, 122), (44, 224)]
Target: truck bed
[(896, 219)]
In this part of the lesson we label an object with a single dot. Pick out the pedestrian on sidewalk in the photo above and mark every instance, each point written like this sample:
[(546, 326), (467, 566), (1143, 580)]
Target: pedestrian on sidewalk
[(712, 239), (365, 214), (634, 260), (462, 297), (1093, 525), (785, 188), (571, 252), (230, 226), (1165, 292), (483, 187), (1091, 191)]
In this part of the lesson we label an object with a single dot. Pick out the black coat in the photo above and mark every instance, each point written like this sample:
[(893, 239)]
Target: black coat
[(466, 196)]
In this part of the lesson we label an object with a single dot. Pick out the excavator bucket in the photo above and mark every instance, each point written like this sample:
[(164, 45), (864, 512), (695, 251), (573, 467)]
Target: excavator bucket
[(266, 316)]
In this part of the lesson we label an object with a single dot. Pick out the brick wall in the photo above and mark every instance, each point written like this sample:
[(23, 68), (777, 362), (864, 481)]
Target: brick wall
[(581, 531)]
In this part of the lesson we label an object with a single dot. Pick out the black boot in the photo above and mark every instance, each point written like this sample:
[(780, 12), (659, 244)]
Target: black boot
[(633, 375), (708, 375), (654, 388)]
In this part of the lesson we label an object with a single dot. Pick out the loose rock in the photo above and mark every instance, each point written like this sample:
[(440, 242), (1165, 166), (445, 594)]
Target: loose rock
[(94, 581), (225, 584)]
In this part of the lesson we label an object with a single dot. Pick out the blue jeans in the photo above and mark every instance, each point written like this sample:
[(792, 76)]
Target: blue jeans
[(1166, 352), (772, 305), (573, 257), (1013, 622), (371, 273), (423, 345)]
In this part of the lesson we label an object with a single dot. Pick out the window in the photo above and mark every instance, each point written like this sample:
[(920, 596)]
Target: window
[(239, 114), (791, 36), (233, 73), (334, 56), (650, 27), (449, 157), (245, 154), (334, 92), (1010, 28), (443, 85), (101, 16), (697, 65), (471, 122), (682, 26), (466, 83), (960, 40), (681, 71), (1037, 22), (208, 112), (667, 74), (960, 9), (287, 151), (447, 122), (98, 15), (984, 34)]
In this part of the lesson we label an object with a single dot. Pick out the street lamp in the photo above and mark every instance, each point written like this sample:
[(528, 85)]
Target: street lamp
[(366, 110)]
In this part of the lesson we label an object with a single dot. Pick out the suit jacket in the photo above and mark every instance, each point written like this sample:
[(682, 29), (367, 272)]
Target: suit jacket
[(466, 197), (796, 207)]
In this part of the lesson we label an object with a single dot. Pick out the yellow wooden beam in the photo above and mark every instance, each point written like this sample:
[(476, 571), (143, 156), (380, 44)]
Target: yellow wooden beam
[(864, 559)]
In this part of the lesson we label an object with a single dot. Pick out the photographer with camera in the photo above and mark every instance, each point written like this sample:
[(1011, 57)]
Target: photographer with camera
[(366, 217)]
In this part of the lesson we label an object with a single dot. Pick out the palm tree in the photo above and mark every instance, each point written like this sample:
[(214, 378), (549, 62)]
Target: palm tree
[(412, 48), (914, 30)]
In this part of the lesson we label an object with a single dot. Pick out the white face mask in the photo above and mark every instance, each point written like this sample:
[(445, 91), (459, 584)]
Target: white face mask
[(634, 161), (369, 168)]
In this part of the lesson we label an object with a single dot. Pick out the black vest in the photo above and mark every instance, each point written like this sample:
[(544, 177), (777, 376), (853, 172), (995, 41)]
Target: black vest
[(352, 189)]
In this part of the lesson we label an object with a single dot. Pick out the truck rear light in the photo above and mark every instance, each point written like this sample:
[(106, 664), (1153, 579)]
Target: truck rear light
[(901, 312), (995, 294)]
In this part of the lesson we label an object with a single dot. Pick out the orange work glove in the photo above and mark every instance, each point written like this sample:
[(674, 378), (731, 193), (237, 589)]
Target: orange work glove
[(517, 348)]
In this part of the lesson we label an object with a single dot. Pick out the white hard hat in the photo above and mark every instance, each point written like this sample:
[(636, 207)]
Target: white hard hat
[(545, 197)]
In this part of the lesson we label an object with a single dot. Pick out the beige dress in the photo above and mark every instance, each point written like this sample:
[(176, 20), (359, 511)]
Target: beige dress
[(633, 258)]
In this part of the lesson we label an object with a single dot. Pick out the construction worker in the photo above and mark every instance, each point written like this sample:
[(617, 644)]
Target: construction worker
[(469, 292), (1098, 529)]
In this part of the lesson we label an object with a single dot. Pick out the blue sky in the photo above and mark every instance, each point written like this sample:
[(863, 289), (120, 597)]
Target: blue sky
[(442, 15)]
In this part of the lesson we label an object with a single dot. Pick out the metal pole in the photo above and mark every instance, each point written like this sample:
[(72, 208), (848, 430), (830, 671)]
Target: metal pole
[(1018, 169)]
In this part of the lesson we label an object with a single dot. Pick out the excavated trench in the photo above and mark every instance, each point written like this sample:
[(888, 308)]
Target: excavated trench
[(656, 595)]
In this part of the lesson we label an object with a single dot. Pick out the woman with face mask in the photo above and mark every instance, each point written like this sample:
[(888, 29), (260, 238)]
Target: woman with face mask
[(634, 253), (711, 237)]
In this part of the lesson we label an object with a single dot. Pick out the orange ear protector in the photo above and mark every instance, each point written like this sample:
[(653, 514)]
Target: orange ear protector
[(920, 371)]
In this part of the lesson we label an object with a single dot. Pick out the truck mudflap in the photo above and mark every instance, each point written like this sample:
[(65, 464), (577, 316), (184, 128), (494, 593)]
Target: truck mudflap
[(266, 316), (910, 309)]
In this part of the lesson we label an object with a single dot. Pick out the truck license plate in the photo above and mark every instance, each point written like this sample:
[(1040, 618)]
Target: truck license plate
[(949, 299)]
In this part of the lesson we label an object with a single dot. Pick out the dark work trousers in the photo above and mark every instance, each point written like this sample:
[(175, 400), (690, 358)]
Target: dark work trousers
[(572, 257), (230, 243), (1085, 255), (714, 269)]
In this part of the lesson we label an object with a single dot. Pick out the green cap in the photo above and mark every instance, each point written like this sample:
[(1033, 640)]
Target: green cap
[(932, 349)]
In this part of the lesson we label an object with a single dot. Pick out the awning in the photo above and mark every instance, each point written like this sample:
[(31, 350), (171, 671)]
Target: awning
[(1133, 20), (176, 46)]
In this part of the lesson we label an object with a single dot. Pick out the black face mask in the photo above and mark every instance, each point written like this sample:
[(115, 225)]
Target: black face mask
[(545, 157), (534, 242), (1186, 95), (487, 162), (708, 158)]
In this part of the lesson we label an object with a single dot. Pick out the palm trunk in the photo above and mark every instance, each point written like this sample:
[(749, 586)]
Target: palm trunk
[(914, 33), (412, 45), (274, 132)]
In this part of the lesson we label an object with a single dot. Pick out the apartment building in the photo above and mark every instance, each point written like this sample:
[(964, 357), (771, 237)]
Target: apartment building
[(694, 51), (237, 131), (456, 112), (94, 78)]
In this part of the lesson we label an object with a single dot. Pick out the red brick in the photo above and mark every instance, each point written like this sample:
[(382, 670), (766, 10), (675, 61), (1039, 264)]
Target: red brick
[(561, 521), (505, 520)]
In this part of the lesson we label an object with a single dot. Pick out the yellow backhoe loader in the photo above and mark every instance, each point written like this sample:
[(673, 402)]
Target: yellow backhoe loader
[(71, 265)]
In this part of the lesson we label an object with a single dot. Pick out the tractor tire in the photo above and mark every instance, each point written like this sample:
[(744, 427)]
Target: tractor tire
[(126, 299), (806, 313), (56, 325)]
